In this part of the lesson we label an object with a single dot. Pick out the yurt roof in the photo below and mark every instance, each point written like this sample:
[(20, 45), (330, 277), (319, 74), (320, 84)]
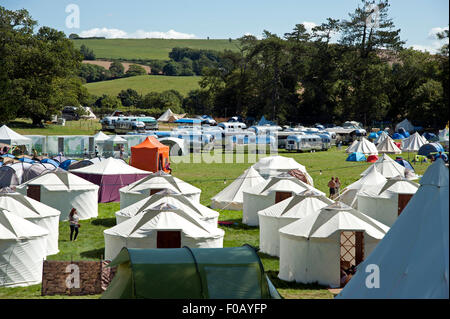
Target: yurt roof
[(333, 218), (277, 162), (161, 180), (109, 166), (396, 185), (282, 183), (372, 177), (13, 227), (25, 206)]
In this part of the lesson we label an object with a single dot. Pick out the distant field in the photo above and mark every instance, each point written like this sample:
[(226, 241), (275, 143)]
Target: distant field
[(144, 84), (107, 64), (159, 49)]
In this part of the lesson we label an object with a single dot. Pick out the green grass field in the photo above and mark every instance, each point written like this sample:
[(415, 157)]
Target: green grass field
[(82, 127), (212, 178), (158, 49), (144, 84)]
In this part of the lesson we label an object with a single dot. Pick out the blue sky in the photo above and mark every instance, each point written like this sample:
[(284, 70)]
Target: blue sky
[(226, 19)]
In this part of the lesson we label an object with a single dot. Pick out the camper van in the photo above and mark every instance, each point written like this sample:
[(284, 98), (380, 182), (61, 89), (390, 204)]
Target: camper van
[(232, 126), (304, 143), (108, 123), (125, 125)]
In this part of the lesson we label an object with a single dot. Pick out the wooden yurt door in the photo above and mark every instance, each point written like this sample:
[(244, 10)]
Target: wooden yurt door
[(155, 190), (403, 200), (34, 192), (168, 239), (352, 248), (280, 196)]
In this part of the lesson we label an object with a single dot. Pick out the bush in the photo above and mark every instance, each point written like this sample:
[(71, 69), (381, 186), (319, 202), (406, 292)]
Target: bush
[(135, 70)]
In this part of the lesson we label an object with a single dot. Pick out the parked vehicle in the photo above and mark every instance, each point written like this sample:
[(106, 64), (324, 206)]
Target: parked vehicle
[(125, 125), (303, 143)]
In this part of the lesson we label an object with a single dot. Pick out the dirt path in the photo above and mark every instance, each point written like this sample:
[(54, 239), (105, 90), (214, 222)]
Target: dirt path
[(107, 64)]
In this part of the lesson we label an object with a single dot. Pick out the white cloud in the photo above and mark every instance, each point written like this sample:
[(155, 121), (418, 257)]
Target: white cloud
[(433, 31), (309, 25), (433, 47), (139, 34)]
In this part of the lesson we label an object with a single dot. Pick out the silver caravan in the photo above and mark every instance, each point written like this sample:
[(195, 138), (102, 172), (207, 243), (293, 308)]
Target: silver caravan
[(304, 143)]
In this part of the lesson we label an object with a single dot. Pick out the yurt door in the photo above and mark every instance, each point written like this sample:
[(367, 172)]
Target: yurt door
[(403, 200), (352, 248), (34, 192), (155, 190), (279, 196), (168, 239)]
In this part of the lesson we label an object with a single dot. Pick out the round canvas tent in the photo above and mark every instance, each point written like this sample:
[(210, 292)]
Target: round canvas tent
[(111, 175), (190, 273), (372, 178), (162, 226), (316, 248), (363, 146), (173, 198), (150, 155), (414, 254), (386, 202), (23, 247), (63, 191), (387, 167), (40, 214), (269, 193), (272, 166), (232, 197), (283, 213), (155, 183), (388, 146), (413, 143)]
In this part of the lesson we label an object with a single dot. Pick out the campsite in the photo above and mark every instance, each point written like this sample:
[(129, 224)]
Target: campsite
[(160, 165)]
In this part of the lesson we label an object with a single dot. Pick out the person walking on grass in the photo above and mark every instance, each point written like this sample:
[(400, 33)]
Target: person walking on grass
[(332, 187), (74, 223)]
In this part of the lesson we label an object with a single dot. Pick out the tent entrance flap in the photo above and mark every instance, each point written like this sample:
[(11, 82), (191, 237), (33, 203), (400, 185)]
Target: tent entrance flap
[(352, 248), (280, 196), (168, 239), (34, 192), (403, 200)]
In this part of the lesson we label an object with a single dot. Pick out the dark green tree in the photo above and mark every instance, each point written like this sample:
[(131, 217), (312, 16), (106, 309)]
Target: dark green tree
[(117, 69), (135, 70), (129, 97)]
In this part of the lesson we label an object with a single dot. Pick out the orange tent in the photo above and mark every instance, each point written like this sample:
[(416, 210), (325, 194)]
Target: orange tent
[(150, 155)]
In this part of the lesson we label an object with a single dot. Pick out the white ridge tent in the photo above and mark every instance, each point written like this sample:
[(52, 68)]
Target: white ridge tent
[(381, 137), (363, 146), (387, 167), (349, 194), (406, 125), (388, 146), (269, 193), (63, 191), (386, 202), (168, 196), (8, 136), (283, 213), (162, 226), (40, 214), (413, 143), (413, 257), (272, 166), (232, 197), (169, 116), (313, 248), (153, 183), (23, 247)]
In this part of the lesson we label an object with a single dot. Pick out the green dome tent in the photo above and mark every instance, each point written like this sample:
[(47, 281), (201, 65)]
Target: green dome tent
[(185, 273)]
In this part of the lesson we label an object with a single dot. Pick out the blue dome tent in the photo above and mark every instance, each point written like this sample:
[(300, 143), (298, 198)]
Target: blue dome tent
[(356, 157), (50, 161), (397, 136), (426, 149), (404, 163)]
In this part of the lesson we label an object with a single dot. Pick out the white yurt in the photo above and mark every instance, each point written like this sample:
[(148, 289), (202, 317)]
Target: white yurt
[(283, 213), (386, 202), (162, 226), (413, 143), (381, 137), (168, 196), (154, 183), (413, 256), (388, 146), (363, 146), (372, 178), (269, 193), (23, 247), (232, 197), (63, 191), (40, 214), (387, 167), (275, 165), (318, 247), (407, 126)]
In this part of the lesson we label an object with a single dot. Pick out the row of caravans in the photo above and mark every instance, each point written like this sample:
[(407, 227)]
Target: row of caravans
[(308, 142), (125, 124)]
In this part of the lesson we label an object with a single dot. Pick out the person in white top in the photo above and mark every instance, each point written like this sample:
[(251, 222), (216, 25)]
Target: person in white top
[(74, 223)]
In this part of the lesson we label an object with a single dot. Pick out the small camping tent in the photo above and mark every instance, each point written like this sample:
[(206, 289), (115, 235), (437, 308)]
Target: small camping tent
[(426, 149), (162, 226), (154, 183), (283, 213), (150, 155), (320, 246), (23, 247), (406, 125), (232, 197), (63, 191), (190, 273), (356, 157), (111, 175), (413, 256)]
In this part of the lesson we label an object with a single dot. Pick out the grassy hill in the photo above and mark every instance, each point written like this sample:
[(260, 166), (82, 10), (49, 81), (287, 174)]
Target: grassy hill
[(129, 49), (144, 84)]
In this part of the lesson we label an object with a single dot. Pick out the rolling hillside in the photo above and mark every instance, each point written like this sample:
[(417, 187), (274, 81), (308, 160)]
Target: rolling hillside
[(144, 84), (129, 49)]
